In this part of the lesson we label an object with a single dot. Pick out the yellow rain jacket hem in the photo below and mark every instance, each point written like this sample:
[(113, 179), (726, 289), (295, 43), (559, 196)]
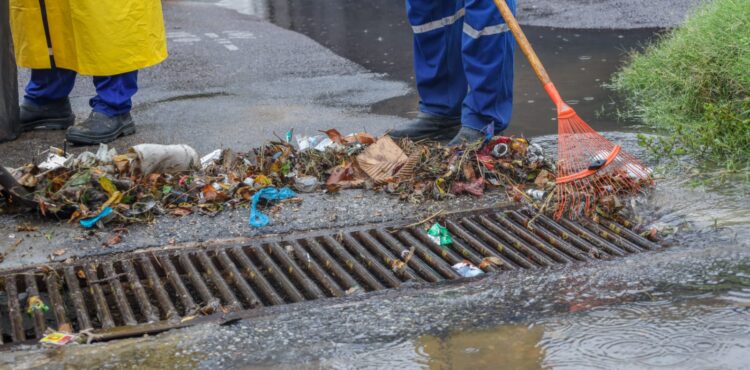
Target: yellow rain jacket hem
[(91, 37)]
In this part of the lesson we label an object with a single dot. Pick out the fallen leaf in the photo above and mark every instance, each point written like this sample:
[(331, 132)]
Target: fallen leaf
[(113, 240), (65, 328), (344, 176), (26, 227), (181, 212), (543, 178), (58, 252), (28, 180), (81, 274), (475, 188), (335, 136), (490, 261), (469, 173), (397, 265), (362, 138), (209, 193)]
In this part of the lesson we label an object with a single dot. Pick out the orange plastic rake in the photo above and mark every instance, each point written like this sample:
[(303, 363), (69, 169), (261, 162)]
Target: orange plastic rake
[(589, 167)]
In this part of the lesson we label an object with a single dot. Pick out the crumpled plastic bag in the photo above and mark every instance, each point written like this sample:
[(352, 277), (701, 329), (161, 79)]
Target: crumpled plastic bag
[(440, 235), (258, 219), (467, 269), (156, 158)]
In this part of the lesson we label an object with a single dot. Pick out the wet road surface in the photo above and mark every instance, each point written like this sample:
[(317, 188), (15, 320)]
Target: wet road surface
[(683, 308), (237, 82), (579, 61), (679, 309)]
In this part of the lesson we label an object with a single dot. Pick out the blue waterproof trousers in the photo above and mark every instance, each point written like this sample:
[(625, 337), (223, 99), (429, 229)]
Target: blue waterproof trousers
[(113, 93), (463, 60)]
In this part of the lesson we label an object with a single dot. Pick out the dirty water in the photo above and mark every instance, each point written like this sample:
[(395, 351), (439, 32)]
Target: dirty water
[(687, 307), (579, 61)]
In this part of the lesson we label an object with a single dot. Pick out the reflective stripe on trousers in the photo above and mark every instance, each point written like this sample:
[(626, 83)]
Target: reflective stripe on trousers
[(463, 60)]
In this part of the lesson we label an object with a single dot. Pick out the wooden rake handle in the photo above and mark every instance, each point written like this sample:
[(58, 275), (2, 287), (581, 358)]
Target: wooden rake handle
[(525, 46)]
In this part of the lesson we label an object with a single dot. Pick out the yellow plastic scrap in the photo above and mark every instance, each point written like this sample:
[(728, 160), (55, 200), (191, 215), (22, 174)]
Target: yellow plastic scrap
[(113, 200), (36, 305), (440, 184), (107, 185)]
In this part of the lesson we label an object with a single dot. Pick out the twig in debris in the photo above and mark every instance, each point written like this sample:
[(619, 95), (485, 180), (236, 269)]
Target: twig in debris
[(426, 220), (90, 335), (541, 209)]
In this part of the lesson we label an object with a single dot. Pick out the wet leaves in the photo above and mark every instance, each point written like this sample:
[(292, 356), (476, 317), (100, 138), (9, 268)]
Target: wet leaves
[(410, 171), (114, 240)]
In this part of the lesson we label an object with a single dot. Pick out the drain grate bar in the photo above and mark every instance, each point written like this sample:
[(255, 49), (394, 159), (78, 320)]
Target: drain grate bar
[(253, 274), (234, 276), (179, 286), (229, 300), (152, 291), (75, 294), (583, 233), (100, 303), (56, 301), (346, 260), (40, 324), (307, 288), (14, 310), (371, 262), (144, 303), (155, 284)]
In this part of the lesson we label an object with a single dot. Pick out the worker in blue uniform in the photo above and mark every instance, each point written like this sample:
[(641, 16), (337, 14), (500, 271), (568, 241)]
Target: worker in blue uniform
[(463, 61)]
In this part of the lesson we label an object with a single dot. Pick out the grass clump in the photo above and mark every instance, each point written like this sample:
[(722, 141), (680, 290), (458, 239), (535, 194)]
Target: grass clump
[(693, 85)]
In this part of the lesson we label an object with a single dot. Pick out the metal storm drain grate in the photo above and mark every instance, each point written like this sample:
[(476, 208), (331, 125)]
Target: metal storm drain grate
[(142, 292)]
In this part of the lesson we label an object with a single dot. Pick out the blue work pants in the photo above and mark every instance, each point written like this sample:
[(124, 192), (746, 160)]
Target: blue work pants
[(113, 93), (463, 60)]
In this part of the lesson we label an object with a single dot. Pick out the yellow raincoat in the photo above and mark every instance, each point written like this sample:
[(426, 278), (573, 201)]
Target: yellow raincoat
[(91, 37)]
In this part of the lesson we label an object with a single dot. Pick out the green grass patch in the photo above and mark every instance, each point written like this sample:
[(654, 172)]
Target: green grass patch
[(693, 86)]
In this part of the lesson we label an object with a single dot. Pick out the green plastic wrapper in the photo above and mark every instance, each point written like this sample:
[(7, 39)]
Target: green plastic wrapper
[(440, 235)]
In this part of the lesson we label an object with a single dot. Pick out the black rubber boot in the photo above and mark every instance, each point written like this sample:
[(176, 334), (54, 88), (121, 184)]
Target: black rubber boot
[(428, 126), (52, 116), (466, 135), (100, 128)]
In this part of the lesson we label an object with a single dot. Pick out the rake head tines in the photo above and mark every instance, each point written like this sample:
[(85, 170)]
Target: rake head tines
[(591, 169)]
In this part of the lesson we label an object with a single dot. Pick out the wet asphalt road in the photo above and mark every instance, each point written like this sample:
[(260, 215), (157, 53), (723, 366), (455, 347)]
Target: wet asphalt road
[(209, 95), (235, 83)]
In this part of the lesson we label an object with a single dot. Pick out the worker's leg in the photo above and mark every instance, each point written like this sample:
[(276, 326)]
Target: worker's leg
[(114, 94), (45, 104), (438, 67), (110, 117), (488, 48)]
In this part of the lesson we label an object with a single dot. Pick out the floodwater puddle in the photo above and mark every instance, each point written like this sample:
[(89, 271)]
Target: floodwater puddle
[(579, 61)]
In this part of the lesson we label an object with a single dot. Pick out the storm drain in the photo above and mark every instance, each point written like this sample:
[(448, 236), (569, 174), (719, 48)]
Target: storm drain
[(138, 293)]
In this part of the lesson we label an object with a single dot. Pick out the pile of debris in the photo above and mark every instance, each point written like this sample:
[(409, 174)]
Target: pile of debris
[(150, 180)]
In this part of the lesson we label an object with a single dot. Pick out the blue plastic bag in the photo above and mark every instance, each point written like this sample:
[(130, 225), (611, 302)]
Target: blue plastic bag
[(91, 221), (258, 219)]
